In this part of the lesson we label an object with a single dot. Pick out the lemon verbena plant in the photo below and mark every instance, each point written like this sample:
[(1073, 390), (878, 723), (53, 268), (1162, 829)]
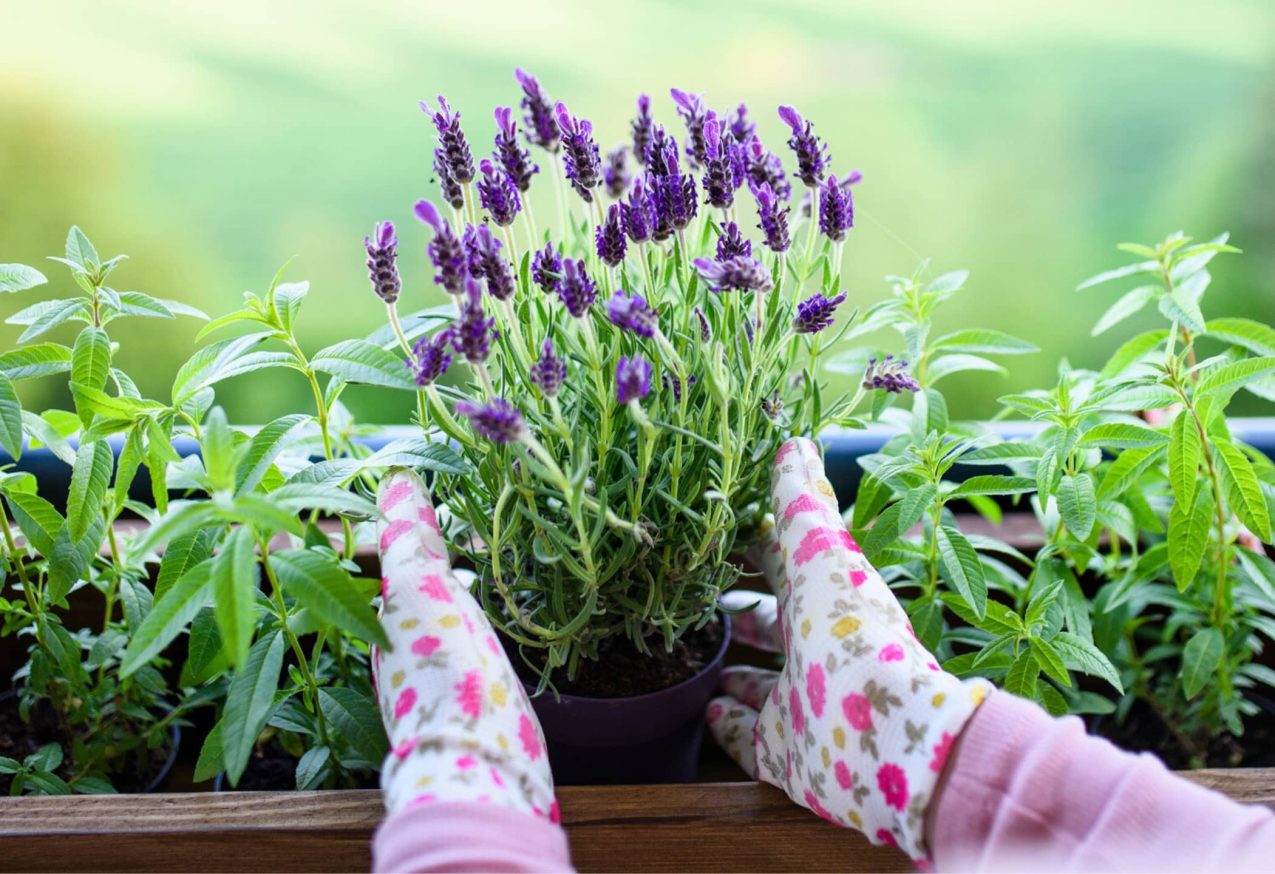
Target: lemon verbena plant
[(628, 371)]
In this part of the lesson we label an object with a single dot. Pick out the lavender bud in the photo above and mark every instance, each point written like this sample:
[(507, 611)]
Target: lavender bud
[(548, 372), (546, 268), (639, 213), (691, 108), (541, 129), (498, 194), (730, 243), (812, 155), (772, 217), (673, 195), (633, 314), (577, 290), (487, 262), (673, 384), (515, 160), (453, 146), (641, 127), (889, 375), (447, 186), (632, 379), (722, 172), (836, 210), (616, 174), (431, 356), (705, 332), (815, 313), (854, 177), (661, 153), (741, 127), (741, 273), (498, 421), (772, 406), (447, 252), (765, 168), (579, 153), (382, 261), (609, 237), (473, 333)]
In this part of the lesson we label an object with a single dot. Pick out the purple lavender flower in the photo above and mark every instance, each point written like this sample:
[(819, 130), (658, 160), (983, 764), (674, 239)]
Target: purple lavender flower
[(723, 170), (661, 152), (498, 194), (577, 290), (673, 384), (815, 313), (730, 243), (473, 334), (549, 371), (546, 268), (741, 273), (889, 375), (382, 261), (836, 210), (447, 186), (609, 237), (691, 108), (579, 152), (487, 262), (639, 213), (772, 215), (515, 159), (672, 192), (616, 174), (853, 178), (741, 126), (452, 145), (641, 127), (765, 168), (705, 332), (541, 129), (633, 313), (446, 251), (812, 155), (499, 421), (431, 356), (632, 379)]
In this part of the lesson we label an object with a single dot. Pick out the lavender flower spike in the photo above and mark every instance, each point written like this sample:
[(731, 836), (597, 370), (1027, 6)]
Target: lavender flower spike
[(889, 375), (722, 171), (851, 179), (447, 186), (447, 252), (580, 156), (642, 129), (815, 313), (498, 421), (487, 262), (609, 237), (431, 356), (836, 210), (731, 244), (616, 174), (812, 154), (542, 129), (452, 145), (549, 371), (498, 194), (691, 108), (632, 379), (473, 333), (633, 314), (741, 127), (639, 212), (765, 168), (577, 290), (382, 261), (772, 217), (546, 269), (705, 332), (741, 273), (515, 159)]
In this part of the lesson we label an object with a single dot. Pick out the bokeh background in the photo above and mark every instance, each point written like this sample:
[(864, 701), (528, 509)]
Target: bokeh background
[(213, 142)]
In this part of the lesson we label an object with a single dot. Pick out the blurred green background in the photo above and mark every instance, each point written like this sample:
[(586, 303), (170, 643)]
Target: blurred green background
[(212, 142)]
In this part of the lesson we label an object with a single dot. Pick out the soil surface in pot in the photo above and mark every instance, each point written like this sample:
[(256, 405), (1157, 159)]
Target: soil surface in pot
[(275, 770), (621, 670), (1145, 731), (19, 740)]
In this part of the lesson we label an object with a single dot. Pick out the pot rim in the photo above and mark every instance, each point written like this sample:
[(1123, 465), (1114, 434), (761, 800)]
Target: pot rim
[(696, 677)]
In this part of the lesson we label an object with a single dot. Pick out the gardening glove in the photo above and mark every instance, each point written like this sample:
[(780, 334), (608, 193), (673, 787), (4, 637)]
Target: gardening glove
[(458, 720), (858, 724)]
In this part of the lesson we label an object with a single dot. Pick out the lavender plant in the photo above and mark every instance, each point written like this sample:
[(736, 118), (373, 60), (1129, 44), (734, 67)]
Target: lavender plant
[(628, 375)]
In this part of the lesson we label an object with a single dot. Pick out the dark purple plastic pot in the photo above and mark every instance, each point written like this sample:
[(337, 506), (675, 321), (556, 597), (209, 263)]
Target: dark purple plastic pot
[(652, 738)]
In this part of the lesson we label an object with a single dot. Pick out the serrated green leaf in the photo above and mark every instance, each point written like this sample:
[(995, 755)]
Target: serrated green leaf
[(1077, 504), (1184, 457), (42, 317), (1231, 377), (1020, 679), (169, 616), (211, 755), (1123, 435), (235, 580), (1126, 306), (312, 767), (1132, 351), (249, 702), (1200, 660), (130, 460), (1081, 655), (38, 520), (263, 449), (319, 583), (80, 251), (993, 484), (205, 651), (1243, 491), (90, 478), (1119, 273), (358, 361), (1050, 660), (91, 358), (1254, 336), (10, 419), (964, 569), (213, 363), (1178, 307), (357, 720), (20, 277), (42, 359), (1189, 536)]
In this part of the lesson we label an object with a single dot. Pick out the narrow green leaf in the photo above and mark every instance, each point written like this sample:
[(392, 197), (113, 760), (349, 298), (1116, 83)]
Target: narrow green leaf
[(1123, 435), (994, 484), (168, 617), (19, 277), (1133, 351), (130, 460), (1179, 308), (964, 569), (263, 449), (1077, 504), (212, 754), (1081, 655), (1049, 660), (38, 520), (91, 358), (1119, 273), (1253, 336), (1243, 491), (235, 579), (1236, 375), (1189, 536), (42, 317), (90, 478), (183, 553), (249, 702), (1127, 305), (360, 362), (29, 362), (946, 365), (357, 720), (1125, 470), (1200, 659), (80, 251), (1020, 680), (1184, 457), (10, 419), (319, 583)]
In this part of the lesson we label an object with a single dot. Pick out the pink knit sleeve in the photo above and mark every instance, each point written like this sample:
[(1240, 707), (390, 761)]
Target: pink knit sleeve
[(468, 836), (1030, 792)]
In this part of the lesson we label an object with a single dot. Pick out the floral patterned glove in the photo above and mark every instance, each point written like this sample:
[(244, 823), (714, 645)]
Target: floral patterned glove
[(459, 722), (859, 723)]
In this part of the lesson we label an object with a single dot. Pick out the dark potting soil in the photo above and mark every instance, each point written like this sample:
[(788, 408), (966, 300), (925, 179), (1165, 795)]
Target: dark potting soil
[(1145, 731), (621, 670), (19, 740)]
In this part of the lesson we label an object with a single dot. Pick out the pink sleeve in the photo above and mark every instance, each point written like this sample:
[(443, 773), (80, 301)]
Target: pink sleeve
[(1030, 792), (468, 836)]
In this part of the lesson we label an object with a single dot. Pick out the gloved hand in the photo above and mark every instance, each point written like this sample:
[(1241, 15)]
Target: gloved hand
[(459, 722), (858, 724)]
